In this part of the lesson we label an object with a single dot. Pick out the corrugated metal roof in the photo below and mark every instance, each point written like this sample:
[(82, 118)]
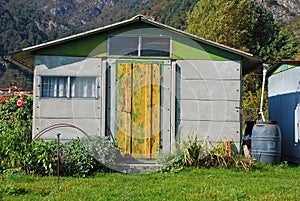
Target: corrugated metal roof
[(25, 57)]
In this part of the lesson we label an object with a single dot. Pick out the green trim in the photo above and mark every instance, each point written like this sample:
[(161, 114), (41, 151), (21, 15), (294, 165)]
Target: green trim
[(185, 48), (96, 45), (285, 67), (92, 46)]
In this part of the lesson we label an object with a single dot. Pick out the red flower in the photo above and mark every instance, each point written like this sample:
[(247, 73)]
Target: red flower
[(16, 93), (2, 121), (13, 88), (13, 117), (6, 102), (20, 103), (20, 89)]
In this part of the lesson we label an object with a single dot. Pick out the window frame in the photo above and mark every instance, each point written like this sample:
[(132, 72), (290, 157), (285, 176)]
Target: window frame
[(68, 87), (140, 45)]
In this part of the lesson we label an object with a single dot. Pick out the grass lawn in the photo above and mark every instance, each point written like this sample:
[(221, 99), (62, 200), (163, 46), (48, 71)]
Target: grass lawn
[(264, 183)]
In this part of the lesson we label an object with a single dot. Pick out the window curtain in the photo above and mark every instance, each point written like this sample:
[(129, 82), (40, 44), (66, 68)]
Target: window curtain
[(84, 87), (54, 87)]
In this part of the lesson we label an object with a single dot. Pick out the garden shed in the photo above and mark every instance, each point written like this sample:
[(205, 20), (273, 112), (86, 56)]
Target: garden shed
[(144, 84), (284, 105)]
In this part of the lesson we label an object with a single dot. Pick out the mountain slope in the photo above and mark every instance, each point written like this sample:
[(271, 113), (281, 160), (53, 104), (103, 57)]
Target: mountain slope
[(25, 23)]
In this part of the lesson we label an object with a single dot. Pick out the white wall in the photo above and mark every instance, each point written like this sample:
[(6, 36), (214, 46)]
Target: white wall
[(209, 100), (86, 114)]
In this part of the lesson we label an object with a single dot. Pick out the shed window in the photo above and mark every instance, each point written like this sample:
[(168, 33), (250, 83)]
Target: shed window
[(69, 87), (123, 45), (153, 46), (139, 45), (83, 87), (54, 87)]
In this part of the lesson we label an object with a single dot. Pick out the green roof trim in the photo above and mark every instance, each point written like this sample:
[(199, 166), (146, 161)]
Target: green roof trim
[(282, 65), (92, 46)]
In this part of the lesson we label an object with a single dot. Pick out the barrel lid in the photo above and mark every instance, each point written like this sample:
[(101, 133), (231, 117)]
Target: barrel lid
[(266, 122)]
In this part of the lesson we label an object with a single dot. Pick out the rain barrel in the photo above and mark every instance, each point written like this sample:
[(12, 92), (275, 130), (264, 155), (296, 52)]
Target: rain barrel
[(266, 142)]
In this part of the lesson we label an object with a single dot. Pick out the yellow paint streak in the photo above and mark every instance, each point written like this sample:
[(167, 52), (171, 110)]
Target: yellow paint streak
[(124, 106), (138, 109)]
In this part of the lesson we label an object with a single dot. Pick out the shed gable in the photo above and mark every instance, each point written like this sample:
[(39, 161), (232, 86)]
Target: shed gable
[(97, 45)]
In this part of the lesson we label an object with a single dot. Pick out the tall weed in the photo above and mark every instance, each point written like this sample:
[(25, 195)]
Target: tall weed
[(200, 153)]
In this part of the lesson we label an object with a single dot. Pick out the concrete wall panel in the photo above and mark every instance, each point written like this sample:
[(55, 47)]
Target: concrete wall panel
[(210, 110), (209, 99), (86, 113), (203, 69), (211, 89)]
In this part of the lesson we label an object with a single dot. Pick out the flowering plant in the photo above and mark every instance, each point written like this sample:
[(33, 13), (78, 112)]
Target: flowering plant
[(15, 127), (15, 108)]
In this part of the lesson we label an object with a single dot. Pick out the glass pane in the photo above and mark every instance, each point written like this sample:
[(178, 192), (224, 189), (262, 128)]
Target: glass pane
[(83, 87), (123, 45), (156, 46), (54, 86)]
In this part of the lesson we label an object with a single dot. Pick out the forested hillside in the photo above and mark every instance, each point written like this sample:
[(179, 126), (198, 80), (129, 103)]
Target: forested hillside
[(25, 23)]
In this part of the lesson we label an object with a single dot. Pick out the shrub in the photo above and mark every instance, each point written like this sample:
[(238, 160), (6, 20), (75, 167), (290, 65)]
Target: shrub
[(40, 158), (76, 160), (15, 128), (201, 154), (103, 150), (18, 153), (83, 156)]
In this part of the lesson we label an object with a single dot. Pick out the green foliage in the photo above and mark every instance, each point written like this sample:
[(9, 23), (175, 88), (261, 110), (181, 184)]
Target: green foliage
[(15, 128), (172, 13), (281, 45), (200, 153), (251, 94), (10, 77), (76, 160), (39, 158), (79, 157), (13, 190), (17, 150), (83, 156), (103, 150), (227, 22), (195, 151), (244, 25)]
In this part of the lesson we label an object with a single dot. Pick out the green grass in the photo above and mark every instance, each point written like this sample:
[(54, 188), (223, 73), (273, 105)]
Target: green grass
[(264, 183)]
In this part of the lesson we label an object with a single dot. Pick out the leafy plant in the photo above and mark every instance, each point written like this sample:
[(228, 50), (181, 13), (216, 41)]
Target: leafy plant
[(194, 151), (79, 157), (243, 25), (15, 128), (76, 160), (40, 158), (83, 156), (199, 153), (103, 150)]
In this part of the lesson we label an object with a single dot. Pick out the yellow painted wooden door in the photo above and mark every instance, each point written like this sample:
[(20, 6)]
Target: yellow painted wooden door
[(138, 108)]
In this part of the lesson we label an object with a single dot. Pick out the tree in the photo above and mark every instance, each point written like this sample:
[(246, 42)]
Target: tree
[(242, 24)]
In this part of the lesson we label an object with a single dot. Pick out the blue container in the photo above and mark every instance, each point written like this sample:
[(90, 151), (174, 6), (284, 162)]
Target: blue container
[(266, 142)]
